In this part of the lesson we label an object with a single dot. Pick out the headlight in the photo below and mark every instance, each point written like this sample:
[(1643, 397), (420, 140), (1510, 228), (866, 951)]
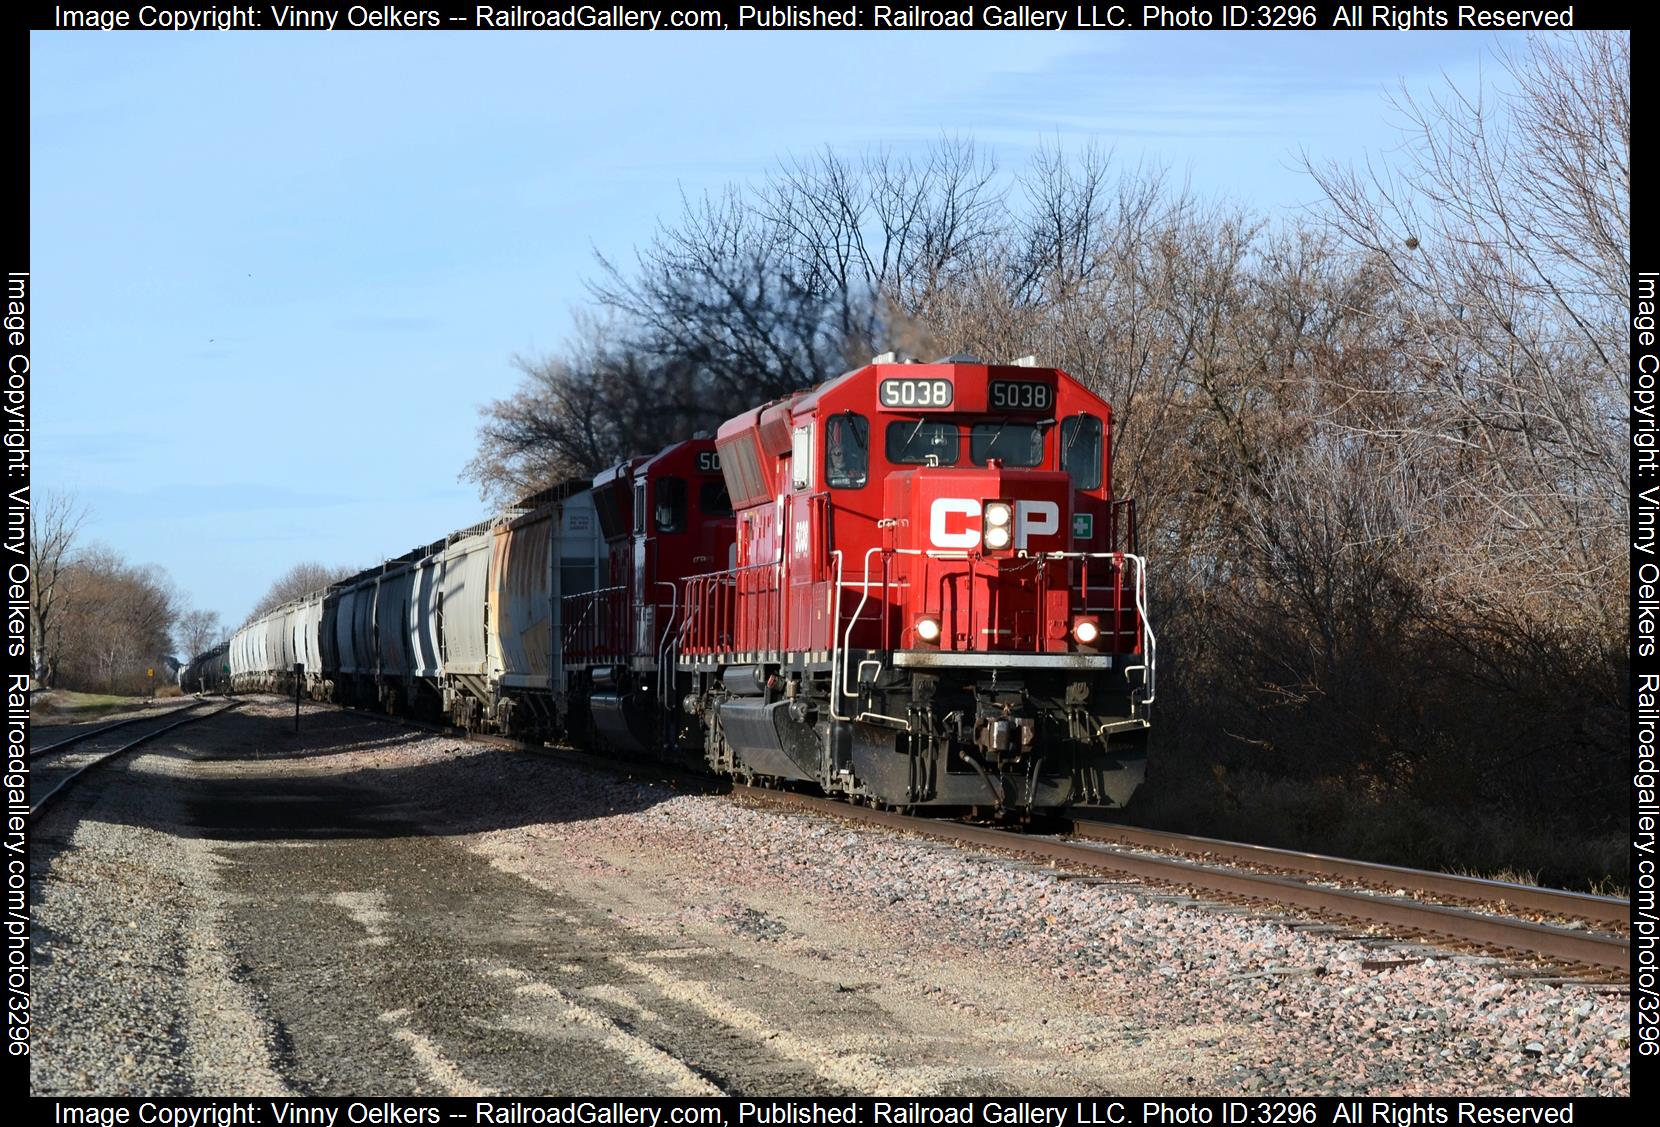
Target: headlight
[(997, 537), (928, 628), (1086, 631), (998, 514)]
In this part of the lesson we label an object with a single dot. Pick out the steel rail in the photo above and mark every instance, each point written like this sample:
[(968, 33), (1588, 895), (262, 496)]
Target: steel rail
[(1605, 952), (64, 783), (1604, 910), (1562, 945), (81, 736)]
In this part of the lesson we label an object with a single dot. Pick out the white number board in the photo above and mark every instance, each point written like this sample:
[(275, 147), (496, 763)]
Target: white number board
[(908, 394)]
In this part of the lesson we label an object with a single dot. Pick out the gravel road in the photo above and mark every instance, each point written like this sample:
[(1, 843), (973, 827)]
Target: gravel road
[(360, 908)]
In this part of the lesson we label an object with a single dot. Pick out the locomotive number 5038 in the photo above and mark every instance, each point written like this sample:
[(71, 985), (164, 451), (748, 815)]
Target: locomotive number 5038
[(915, 393), (1020, 395)]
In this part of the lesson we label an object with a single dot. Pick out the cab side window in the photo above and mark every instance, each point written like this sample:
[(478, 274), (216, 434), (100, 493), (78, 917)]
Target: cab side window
[(671, 504), (1081, 450), (846, 451), (801, 458)]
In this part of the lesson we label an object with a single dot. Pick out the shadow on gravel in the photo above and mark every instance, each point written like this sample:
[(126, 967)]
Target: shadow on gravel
[(260, 781), (322, 734)]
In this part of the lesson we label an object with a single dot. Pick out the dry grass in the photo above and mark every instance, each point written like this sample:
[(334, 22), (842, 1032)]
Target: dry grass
[(1333, 816), (69, 705)]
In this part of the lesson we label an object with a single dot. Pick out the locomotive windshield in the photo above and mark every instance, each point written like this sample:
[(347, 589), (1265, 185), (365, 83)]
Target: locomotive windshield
[(911, 444), (1014, 444), (712, 499)]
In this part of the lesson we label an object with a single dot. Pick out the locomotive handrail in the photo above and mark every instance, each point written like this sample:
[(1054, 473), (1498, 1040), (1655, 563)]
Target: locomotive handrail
[(841, 669), (590, 596), (835, 639), (839, 685), (1149, 642), (725, 571), (664, 679), (573, 637), (723, 577)]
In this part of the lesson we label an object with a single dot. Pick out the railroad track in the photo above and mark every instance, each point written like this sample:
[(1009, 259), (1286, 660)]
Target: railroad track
[(1603, 912), (88, 750), (1093, 849), (92, 733), (1602, 953)]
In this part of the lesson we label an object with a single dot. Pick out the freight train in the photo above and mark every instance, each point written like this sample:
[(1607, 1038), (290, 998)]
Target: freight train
[(910, 586), (208, 672)]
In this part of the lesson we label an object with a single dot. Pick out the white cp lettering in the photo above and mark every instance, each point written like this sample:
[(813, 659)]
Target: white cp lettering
[(1035, 518), (945, 507)]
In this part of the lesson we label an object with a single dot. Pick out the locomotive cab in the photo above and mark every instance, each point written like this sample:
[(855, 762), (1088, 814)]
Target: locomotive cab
[(664, 517)]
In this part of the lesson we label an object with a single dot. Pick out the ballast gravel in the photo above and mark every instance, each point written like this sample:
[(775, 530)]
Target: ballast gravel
[(1315, 1019), (697, 944), (134, 990)]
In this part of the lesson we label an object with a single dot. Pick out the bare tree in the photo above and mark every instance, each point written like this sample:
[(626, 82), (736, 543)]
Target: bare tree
[(1509, 233), (118, 619), (301, 579), (886, 230), (198, 631), (744, 297), (721, 302), (575, 413), (55, 523)]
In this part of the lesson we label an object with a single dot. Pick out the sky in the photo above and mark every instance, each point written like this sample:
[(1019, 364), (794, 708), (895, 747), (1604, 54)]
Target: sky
[(276, 275)]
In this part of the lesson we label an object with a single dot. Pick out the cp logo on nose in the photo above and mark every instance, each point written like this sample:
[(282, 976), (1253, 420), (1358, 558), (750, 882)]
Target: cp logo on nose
[(954, 522)]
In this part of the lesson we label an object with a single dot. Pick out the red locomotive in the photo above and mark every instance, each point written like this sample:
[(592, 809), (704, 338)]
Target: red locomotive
[(911, 586), (936, 600)]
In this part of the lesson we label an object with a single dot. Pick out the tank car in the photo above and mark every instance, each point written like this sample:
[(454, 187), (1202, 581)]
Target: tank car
[(207, 672)]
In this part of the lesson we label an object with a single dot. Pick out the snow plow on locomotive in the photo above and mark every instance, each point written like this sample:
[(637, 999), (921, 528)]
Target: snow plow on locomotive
[(910, 586)]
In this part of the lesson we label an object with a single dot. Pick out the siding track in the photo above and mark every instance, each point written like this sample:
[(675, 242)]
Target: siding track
[(93, 733), (94, 751)]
